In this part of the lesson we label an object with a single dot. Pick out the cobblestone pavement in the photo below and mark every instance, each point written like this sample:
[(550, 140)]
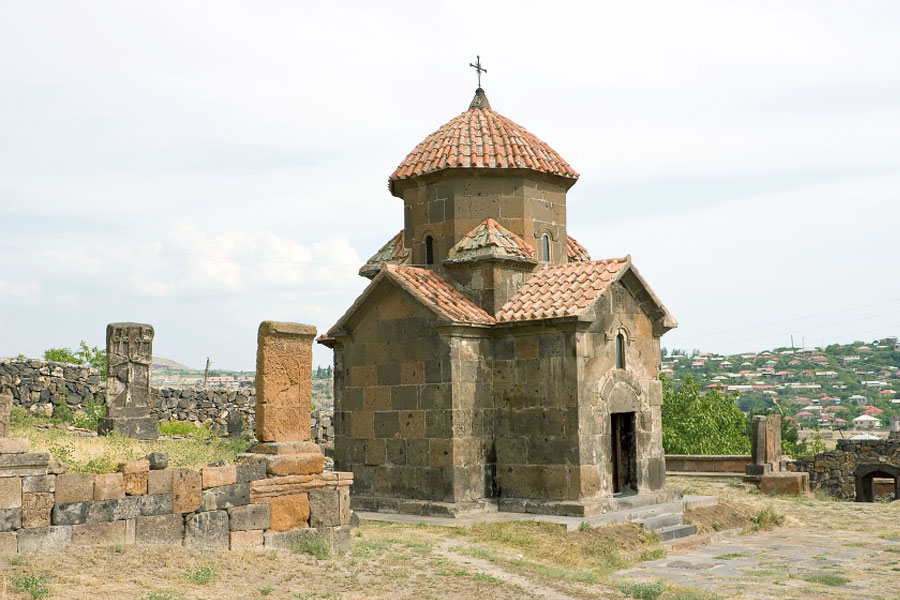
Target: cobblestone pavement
[(791, 562)]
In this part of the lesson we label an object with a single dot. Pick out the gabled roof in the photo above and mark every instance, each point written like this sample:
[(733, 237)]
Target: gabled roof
[(392, 252), (575, 251), (491, 239), (569, 289), (481, 139), (429, 288)]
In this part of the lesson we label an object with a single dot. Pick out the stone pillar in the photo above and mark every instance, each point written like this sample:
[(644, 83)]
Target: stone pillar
[(765, 446), (129, 353), (6, 401)]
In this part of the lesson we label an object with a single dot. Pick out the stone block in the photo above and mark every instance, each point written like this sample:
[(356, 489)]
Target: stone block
[(281, 423), (44, 538), (186, 490), (129, 530), (39, 484), (24, 465), (206, 529), (14, 445), (139, 428), (286, 539), (74, 487), (104, 511), (248, 472), (251, 516), (341, 538), (10, 492), (157, 504), (283, 385), (109, 486), (239, 539), (8, 545), (289, 512), (10, 518), (36, 510), (158, 460), (324, 508), (785, 484), (226, 496), (71, 513), (99, 534), (136, 474), (6, 401), (296, 464), (159, 529), (218, 476), (159, 482), (345, 513), (296, 447)]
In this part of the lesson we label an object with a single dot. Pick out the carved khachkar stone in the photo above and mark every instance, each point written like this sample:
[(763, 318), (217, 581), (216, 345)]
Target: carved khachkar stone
[(6, 401), (284, 381), (129, 352), (765, 446)]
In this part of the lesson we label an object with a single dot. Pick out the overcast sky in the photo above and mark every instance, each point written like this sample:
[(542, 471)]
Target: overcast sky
[(203, 166)]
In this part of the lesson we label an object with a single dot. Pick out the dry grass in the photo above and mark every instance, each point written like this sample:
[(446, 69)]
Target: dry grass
[(102, 454)]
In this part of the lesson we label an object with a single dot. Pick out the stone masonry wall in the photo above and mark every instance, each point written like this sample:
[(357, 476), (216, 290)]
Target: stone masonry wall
[(39, 385), (233, 506), (834, 470)]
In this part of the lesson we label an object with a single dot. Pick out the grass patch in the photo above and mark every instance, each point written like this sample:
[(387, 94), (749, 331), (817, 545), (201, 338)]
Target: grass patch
[(766, 519), (164, 596), (486, 578), (653, 554), (642, 590), (730, 556), (833, 580), (31, 584), (692, 594), (265, 591), (314, 545), (202, 574)]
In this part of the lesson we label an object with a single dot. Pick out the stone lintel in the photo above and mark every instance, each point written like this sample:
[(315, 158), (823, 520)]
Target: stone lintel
[(286, 328)]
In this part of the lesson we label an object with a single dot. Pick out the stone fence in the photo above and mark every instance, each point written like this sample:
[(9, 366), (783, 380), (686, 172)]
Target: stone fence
[(41, 385), (707, 464)]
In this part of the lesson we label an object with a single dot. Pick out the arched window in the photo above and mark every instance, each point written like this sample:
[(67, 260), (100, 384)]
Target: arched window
[(620, 351), (545, 247), (429, 250)]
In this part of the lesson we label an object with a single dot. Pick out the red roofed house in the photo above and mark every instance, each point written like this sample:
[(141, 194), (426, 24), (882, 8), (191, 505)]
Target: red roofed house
[(490, 363)]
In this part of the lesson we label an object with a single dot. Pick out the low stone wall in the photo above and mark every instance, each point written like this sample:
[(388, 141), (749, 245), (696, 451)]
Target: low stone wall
[(725, 464), (835, 471), (234, 506), (41, 385)]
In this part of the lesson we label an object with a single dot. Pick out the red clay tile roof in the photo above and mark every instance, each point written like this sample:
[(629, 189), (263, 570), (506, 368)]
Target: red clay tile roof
[(562, 290), (392, 252), (576, 251), (492, 237), (481, 138), (434, 292)]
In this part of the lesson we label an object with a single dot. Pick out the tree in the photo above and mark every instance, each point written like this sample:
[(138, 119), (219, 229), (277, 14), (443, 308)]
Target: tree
[(698, 423), (93, 357)]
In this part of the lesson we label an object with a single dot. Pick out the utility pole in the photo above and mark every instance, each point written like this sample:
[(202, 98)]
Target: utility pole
[(206, 372), (792, 341)]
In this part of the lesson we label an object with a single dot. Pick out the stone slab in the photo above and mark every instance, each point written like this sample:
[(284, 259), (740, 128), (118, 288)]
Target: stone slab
[(44, 538), (159, 482), (219, 476), (24, 465), (207, 529), (244, 539), (6, 401), (103, 511), (324, 508), (10, 518), (99, 534), (70, 513), (186, 490), (286, 539), (11, 492), (289, 512), (74, 487), (248, 472), (296, 464), (252, 516), (36, 510), (109, 486), (14, 445), (139, 428), (299, 447), (157, 504), (785, 484), (226, 496), (159, 529), (8, 545), (39, 484)]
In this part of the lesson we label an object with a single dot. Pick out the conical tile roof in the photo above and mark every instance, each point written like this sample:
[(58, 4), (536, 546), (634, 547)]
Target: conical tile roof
[(481, 139)]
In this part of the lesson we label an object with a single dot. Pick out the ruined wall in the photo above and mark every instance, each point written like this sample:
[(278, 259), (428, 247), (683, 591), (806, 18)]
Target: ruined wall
[(835, 471), (228, 507), (393, 404), (536, 428), (604, 390), (40, 385)]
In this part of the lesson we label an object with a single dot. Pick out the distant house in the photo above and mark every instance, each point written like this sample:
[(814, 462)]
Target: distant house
[(826, 374), (803, 414), (726, 363), (866, 422), (856, 398), (873, 411), (873, 384)]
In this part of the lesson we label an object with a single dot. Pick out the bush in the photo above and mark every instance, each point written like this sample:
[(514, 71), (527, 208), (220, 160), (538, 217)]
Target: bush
[(93, 357), (33, 585), (766, 519), (697, 423)]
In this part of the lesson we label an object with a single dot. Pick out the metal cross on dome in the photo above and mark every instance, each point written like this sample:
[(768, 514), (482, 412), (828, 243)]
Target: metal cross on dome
[(477, 66)]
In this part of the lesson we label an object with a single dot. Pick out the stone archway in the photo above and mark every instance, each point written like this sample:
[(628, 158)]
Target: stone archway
[(864, 477)]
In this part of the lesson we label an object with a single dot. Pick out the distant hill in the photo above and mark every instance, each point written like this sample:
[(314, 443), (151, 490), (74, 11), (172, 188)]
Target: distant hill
[(167, 364)]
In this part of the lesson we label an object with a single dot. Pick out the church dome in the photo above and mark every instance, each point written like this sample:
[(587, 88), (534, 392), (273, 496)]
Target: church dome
[(481, 139)]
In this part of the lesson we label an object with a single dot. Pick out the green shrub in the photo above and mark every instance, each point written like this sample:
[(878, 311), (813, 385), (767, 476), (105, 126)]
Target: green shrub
[(766, 519), (33, 585), (642, 590), (202, 574), (316, 545)]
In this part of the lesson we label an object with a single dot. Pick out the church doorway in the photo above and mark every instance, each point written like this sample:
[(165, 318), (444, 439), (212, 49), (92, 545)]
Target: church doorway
[(624, 453), (877, 482)]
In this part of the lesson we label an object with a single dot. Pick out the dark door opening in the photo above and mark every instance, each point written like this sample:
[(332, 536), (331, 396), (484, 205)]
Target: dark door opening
[(624, 453), (877, 483)]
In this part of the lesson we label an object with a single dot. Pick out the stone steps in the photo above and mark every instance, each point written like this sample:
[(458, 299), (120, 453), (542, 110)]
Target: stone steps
[(661, 521), (674, 532)]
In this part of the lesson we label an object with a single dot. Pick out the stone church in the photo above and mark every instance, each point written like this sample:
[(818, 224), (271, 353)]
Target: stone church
[(491, 364)]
